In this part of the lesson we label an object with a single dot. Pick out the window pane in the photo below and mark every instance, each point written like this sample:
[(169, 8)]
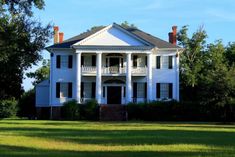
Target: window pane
[(140, 90), (63, 90), (64, 61), (165, 62), (164, 90)]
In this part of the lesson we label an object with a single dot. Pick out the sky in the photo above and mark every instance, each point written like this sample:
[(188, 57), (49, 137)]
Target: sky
[(153, 16)]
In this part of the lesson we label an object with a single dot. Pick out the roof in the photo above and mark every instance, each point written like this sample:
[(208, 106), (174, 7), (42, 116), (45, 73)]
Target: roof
[(157, 42)]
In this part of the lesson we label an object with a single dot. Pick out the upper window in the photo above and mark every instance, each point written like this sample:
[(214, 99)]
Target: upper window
[(164, 62), (64, 61)]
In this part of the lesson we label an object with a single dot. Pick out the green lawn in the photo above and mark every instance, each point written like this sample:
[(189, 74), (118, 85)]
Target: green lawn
[(25, 138)]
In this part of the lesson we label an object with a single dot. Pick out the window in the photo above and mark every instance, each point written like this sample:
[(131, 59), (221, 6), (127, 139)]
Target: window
[(164, 93), (140, 90), (64, 89), (158, 62), (164, 90), (64, 61), (165, 62)]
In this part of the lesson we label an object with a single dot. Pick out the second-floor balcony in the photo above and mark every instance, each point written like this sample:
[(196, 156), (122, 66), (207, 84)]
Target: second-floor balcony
[(114, 71)]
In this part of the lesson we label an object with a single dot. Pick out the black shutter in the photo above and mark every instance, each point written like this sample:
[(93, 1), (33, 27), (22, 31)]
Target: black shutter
[(103, 91), (135, 61), (146, 61), (170, 90), (82, 89), (145, 90), (93, 87), (93, 60), (158, 60), (135, 90), (58, 61), (170, 62), (57, 90), (124, 92), (70, 90), (158, 90), (82, 60), (122, 62), (70, 63)]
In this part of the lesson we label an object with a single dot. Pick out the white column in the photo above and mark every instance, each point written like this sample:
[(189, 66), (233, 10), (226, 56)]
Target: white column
[(128, 78), (78, 77), (149, 78), (177, 88), (98, 76)]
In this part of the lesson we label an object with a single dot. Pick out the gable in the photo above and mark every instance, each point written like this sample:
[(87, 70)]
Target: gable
[(111, 36)]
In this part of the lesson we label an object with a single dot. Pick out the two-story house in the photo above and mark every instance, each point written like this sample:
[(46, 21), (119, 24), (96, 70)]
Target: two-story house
[(113, 65)]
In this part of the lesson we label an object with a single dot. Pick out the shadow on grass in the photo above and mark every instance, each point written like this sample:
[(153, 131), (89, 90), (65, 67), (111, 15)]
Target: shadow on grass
[(15, 151), (128, 137)]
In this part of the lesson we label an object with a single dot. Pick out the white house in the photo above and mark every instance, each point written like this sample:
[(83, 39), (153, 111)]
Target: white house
[(113, 65)]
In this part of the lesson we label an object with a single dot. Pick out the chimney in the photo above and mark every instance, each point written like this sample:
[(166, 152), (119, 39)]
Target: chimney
[(56, 34), (61, 37), (172, 35)]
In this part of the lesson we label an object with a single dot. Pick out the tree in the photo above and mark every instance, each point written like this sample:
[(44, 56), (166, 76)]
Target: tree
[(217, 84), (230, 54), (191, 60), (40, 74), (126, 24), (21, 40)]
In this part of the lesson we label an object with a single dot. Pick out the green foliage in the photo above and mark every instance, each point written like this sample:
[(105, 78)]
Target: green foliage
[(181, 111), (40, 74), (230, 54), (71, 110), (192, 57), (26, 104), (8, 108), (126, 24), (89, 110), (21, 40)]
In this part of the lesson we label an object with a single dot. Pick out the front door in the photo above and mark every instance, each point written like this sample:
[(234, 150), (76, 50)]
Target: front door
[(114, 95)]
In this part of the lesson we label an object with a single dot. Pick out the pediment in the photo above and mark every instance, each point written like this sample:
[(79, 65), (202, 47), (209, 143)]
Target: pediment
[(111, 36)]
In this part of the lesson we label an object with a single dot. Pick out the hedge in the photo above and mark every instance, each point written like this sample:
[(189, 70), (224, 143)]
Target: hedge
[(8, 108)]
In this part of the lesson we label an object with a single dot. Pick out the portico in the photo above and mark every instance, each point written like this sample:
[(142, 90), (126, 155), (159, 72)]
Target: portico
[(113, 66)]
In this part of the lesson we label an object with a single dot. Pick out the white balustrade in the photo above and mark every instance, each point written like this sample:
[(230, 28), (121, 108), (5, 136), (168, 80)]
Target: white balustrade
[(113, 70)]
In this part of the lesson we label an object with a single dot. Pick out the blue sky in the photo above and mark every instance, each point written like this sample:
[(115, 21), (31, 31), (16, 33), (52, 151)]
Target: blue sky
[(153, 16)]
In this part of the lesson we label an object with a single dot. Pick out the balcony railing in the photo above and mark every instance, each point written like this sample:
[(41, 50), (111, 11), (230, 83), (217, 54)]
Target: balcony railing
[(114, 70)]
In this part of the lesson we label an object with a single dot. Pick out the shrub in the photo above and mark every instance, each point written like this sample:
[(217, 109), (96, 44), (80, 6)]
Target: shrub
[(27, 105), (70, 110), (8, 108), (181, 111), (89, 110)]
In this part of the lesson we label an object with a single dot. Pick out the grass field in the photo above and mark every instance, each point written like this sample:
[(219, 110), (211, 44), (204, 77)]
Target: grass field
[(25, 138)]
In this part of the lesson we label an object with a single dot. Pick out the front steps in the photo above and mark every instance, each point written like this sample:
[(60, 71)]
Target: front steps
[(112, 112)]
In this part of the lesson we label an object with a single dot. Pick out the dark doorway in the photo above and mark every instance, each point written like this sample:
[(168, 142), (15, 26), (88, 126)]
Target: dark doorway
[(114, 62), (114, 65), (114, 95)]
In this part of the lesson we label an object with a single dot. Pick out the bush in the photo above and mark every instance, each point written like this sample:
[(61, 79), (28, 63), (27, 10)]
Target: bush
[(90, 110), (8, 108), (27, 105), (181, 111), (70, 110)]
